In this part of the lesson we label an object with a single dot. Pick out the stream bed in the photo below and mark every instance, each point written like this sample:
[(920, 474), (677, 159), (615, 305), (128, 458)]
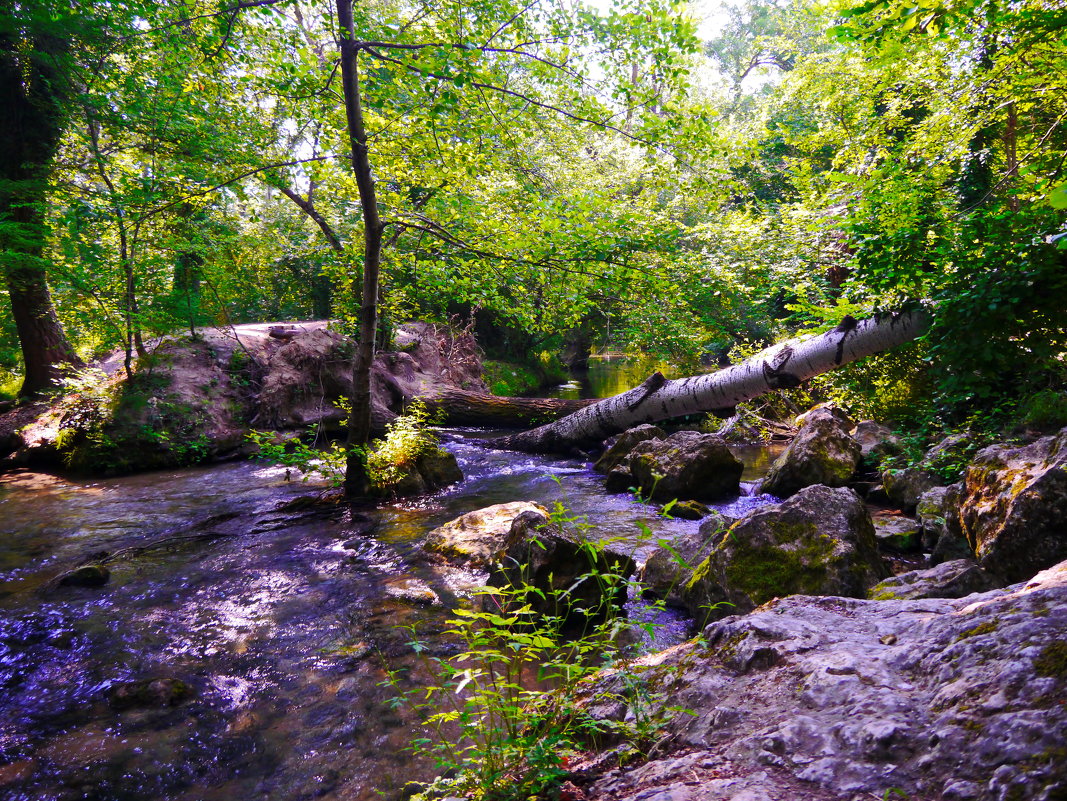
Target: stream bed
[(268, 626)]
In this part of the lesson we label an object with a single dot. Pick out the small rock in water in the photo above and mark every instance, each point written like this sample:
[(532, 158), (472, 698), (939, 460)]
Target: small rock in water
[(86, 576), (148, 694), (687, 510)]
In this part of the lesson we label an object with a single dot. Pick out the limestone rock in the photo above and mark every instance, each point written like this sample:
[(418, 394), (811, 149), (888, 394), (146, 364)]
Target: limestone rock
[(876, 442), (687, 465), (822, 452), (898, 533), (819, 542), (479, 538), (622, 444), (839, 698), (826, 411), (938, 512), (574, 581), (1014, 510), (668, 570), (951, 455), (905, 486), (954, 579)]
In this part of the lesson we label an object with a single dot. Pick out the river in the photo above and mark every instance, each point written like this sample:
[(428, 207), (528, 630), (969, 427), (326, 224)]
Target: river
[(280, 619)]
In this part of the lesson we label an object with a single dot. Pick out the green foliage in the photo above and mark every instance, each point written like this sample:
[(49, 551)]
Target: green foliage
[(509, 379), (505, 713), (388, 460), (1045, 410), (324, 463), (407, 438), (892, 388)]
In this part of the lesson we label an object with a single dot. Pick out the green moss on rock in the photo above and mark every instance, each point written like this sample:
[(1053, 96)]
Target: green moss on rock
[(1052, 661)]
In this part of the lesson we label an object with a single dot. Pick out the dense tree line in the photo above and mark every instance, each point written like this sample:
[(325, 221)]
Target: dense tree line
[(551, 170)]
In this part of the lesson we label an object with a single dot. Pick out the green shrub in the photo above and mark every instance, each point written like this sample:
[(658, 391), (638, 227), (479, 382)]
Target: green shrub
[(388, 460), (493, 735), (1045, 410), (510, 379)]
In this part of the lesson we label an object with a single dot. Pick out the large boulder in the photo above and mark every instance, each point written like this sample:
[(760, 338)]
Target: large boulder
[(1014, 509), (669, 569), (876, 443), (819, 542), (839, 698), (619, 447), (480, 538), (954, 579), (561, 576), (938, 512), (687, 465), (906, 485), (822, 452)]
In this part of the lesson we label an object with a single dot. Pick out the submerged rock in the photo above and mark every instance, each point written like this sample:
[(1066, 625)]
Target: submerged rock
[(840, 698), (819, 542), (687, 465), (85, 576), (822, 452), (1014, 509), (148, 694), (686, 510), (480, 538), (954, 579)]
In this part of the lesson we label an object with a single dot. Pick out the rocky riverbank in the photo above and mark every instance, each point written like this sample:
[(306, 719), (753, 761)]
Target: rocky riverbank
[(194, 400)]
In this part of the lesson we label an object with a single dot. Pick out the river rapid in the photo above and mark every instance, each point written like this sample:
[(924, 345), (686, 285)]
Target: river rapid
[(282, 620)]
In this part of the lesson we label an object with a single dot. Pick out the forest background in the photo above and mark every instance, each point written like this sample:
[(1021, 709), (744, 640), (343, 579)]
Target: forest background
[(552, 174)]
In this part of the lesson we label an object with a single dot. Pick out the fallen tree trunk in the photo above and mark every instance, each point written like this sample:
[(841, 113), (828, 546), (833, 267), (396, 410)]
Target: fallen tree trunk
[(462, 408), (782, 366)]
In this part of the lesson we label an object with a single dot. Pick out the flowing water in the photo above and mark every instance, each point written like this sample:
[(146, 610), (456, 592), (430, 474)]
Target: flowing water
[(281, 618)]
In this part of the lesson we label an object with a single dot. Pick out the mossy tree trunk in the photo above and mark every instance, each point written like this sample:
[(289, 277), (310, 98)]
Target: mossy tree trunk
[(32, 99)]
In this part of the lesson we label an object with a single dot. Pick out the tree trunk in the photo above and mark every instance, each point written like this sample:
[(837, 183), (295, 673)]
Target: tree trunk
[(359, 426), (32, 96), (783, 366), (460, 407)]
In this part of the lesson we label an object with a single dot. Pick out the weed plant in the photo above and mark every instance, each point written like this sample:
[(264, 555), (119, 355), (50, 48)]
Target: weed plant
[(505, 715)]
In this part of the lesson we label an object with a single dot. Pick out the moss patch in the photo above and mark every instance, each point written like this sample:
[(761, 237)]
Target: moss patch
[(1052, 661), (982, 628), (763, 572)]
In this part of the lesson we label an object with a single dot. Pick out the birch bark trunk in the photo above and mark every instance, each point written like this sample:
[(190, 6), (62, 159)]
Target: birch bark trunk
[(782, 366)]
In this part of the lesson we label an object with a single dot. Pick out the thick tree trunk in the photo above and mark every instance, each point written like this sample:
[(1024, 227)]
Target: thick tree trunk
[(783, 366), (31, 123), (460, 407), (359, 423)]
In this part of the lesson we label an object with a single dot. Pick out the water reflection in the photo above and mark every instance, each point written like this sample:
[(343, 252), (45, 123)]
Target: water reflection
[(609, 375), (282, 623)]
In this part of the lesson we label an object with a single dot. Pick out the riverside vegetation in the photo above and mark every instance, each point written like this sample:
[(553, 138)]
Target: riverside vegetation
[(437, 207)]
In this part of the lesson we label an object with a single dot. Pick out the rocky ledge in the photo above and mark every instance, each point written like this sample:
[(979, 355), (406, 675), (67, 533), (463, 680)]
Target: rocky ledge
[(838, 698)]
